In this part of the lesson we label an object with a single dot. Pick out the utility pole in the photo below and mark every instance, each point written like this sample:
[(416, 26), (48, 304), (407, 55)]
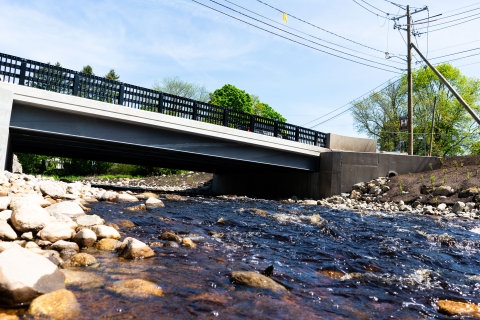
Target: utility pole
[(410, 84), (433, 124)]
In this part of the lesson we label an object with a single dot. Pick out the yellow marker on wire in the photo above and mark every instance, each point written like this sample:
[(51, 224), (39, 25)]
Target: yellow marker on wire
[(285, 17)]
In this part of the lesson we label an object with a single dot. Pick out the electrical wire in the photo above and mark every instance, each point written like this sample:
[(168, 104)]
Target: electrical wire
[(456, 14), (369, 9), (288, 27), (471, 5), (457, 45), (451, 54), (453, 25), (345, 53), (347, 104), (472, 55), (438, 24), (315, 26), (375, 7)]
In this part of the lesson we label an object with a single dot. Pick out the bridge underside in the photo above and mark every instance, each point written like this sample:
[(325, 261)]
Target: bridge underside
[(52, 132)]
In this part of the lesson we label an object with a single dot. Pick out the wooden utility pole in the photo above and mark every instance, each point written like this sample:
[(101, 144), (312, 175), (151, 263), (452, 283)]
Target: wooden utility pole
[(410, 84), (433, 124)]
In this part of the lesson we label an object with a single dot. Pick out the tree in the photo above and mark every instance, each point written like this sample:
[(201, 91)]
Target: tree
[(231, 97), (178, 87), (264, 110), (88, 70), (111, 75), (378, 115)]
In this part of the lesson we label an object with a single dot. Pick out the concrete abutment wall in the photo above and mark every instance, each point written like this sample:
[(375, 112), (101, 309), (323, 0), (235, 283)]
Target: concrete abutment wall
[(6, 104)]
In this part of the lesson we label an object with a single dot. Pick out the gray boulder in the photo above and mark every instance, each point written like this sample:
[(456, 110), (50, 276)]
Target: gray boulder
[(89, 220), (29, 217), (56, 231), (6, 231), (85, 238), (68, 208), (52, 189)]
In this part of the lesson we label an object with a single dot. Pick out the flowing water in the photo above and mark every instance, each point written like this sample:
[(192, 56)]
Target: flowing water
[(335, 264)]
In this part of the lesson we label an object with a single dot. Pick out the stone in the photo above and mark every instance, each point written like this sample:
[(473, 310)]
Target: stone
[(31, 245), (139, 207), (25, 275), (80, 260), (5, 203), (43, 243), (125, 197), (442, 206), (170, 236), (136, 288), (27, 236), (171, 244), (256, 280), (454, 308), (113, 225), (105, 232), (443, 191), (60, 304), (126, 223), (107, 244), (24, 198), (52, 189), (8, 245), (355, 194), (67, 253), (107, 196), (69, 208), (134, 249), (16, 165), (469, 206), (61, 245), (458, 206), (89, 220), (187, 242), (85, 238), (175, 197), (86, 280), (56, 231), (153, 203), (5, 215), (29, 217), (6, 231)]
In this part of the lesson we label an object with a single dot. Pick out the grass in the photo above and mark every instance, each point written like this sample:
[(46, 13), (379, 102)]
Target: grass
[(432, 180)]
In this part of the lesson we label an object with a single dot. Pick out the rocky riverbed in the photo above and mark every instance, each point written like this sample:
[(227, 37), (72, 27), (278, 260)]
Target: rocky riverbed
[(52, 245)]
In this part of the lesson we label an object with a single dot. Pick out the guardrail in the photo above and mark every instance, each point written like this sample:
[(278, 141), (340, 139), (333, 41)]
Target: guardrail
[(52, 78)]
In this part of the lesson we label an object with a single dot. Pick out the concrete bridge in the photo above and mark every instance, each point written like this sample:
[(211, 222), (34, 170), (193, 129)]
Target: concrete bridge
[(272, 160)]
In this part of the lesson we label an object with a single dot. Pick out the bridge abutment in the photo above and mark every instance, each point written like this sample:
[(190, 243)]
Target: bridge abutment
[(6, 153)]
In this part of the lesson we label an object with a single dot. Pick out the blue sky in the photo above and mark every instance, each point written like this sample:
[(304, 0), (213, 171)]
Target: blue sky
[(146, 40)]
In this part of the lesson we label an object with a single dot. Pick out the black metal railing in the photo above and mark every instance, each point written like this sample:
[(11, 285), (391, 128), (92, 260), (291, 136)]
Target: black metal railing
[(52, 78)]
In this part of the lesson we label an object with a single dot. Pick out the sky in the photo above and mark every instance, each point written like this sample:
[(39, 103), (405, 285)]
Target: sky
[(147, 40)]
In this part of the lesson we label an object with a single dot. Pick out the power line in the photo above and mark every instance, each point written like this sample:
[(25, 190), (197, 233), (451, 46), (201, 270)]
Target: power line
[(472, 55), (438, 24), (451, 54), (471, 5), (285, 26), (369, 9), (295, 36), (453, 25), (457, 45), (315, 26), (375, 7), (456, 14)]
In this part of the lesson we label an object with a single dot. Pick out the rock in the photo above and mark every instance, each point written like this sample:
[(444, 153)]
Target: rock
[(52, 189), (29, 217), (25, 275), (31, 245), (89, 220), (16, 165), (125, 197), (43, 243), (256, 280), (139, 207), (175, 197), (56, 231), (4, 203), (80, 260), (355, 194), (69, 208), (31, 198), (469, 206), (469, 192), (170, 236), (6, 231), (5, 215), (113, 225), (105, 232), (51, 255), (453, 308), (8, 245), (136, 288), (61, 245), (310, 202), (107, 244), (107, 196), (85, 238), (458, 206), (146, 195), (443, 191), (60, 304), (21, 243), (27, 236), (442, 206), (86, 280), (126, 223), (152, 203), (134, 249), (67, 254), (187, 242), (171, 244)]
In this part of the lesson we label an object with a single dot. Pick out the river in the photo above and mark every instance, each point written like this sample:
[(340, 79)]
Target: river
[(335, 264)]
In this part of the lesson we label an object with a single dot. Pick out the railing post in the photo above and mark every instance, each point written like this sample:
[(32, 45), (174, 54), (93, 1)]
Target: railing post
[(275, 128), (23, 73), (297, 133), (160, 103), (316, 139), (121, 94), (195, 110), (76, 84), (252, 123), (225, 117)]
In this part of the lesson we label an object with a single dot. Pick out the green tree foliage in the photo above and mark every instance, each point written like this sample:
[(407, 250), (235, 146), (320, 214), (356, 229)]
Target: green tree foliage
[(178, 87), (231, 97), (87, 70), (378, 115), (81, 167), (112, 75), (264, 110)]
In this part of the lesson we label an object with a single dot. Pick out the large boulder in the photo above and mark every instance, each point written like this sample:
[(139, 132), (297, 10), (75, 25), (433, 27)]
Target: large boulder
[(4, 203), (56, 231), (29, 216), (60, 304), (106, 232), (80, 260), (256, 280), (134, 249), (108, 244), (52, 189), (136, 288), (85, 238), (25, 275), (62, 245), (68, 208), (21, 199), (6, 232), (89, 220), (5, 215), (125, 197), (153, 203)]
